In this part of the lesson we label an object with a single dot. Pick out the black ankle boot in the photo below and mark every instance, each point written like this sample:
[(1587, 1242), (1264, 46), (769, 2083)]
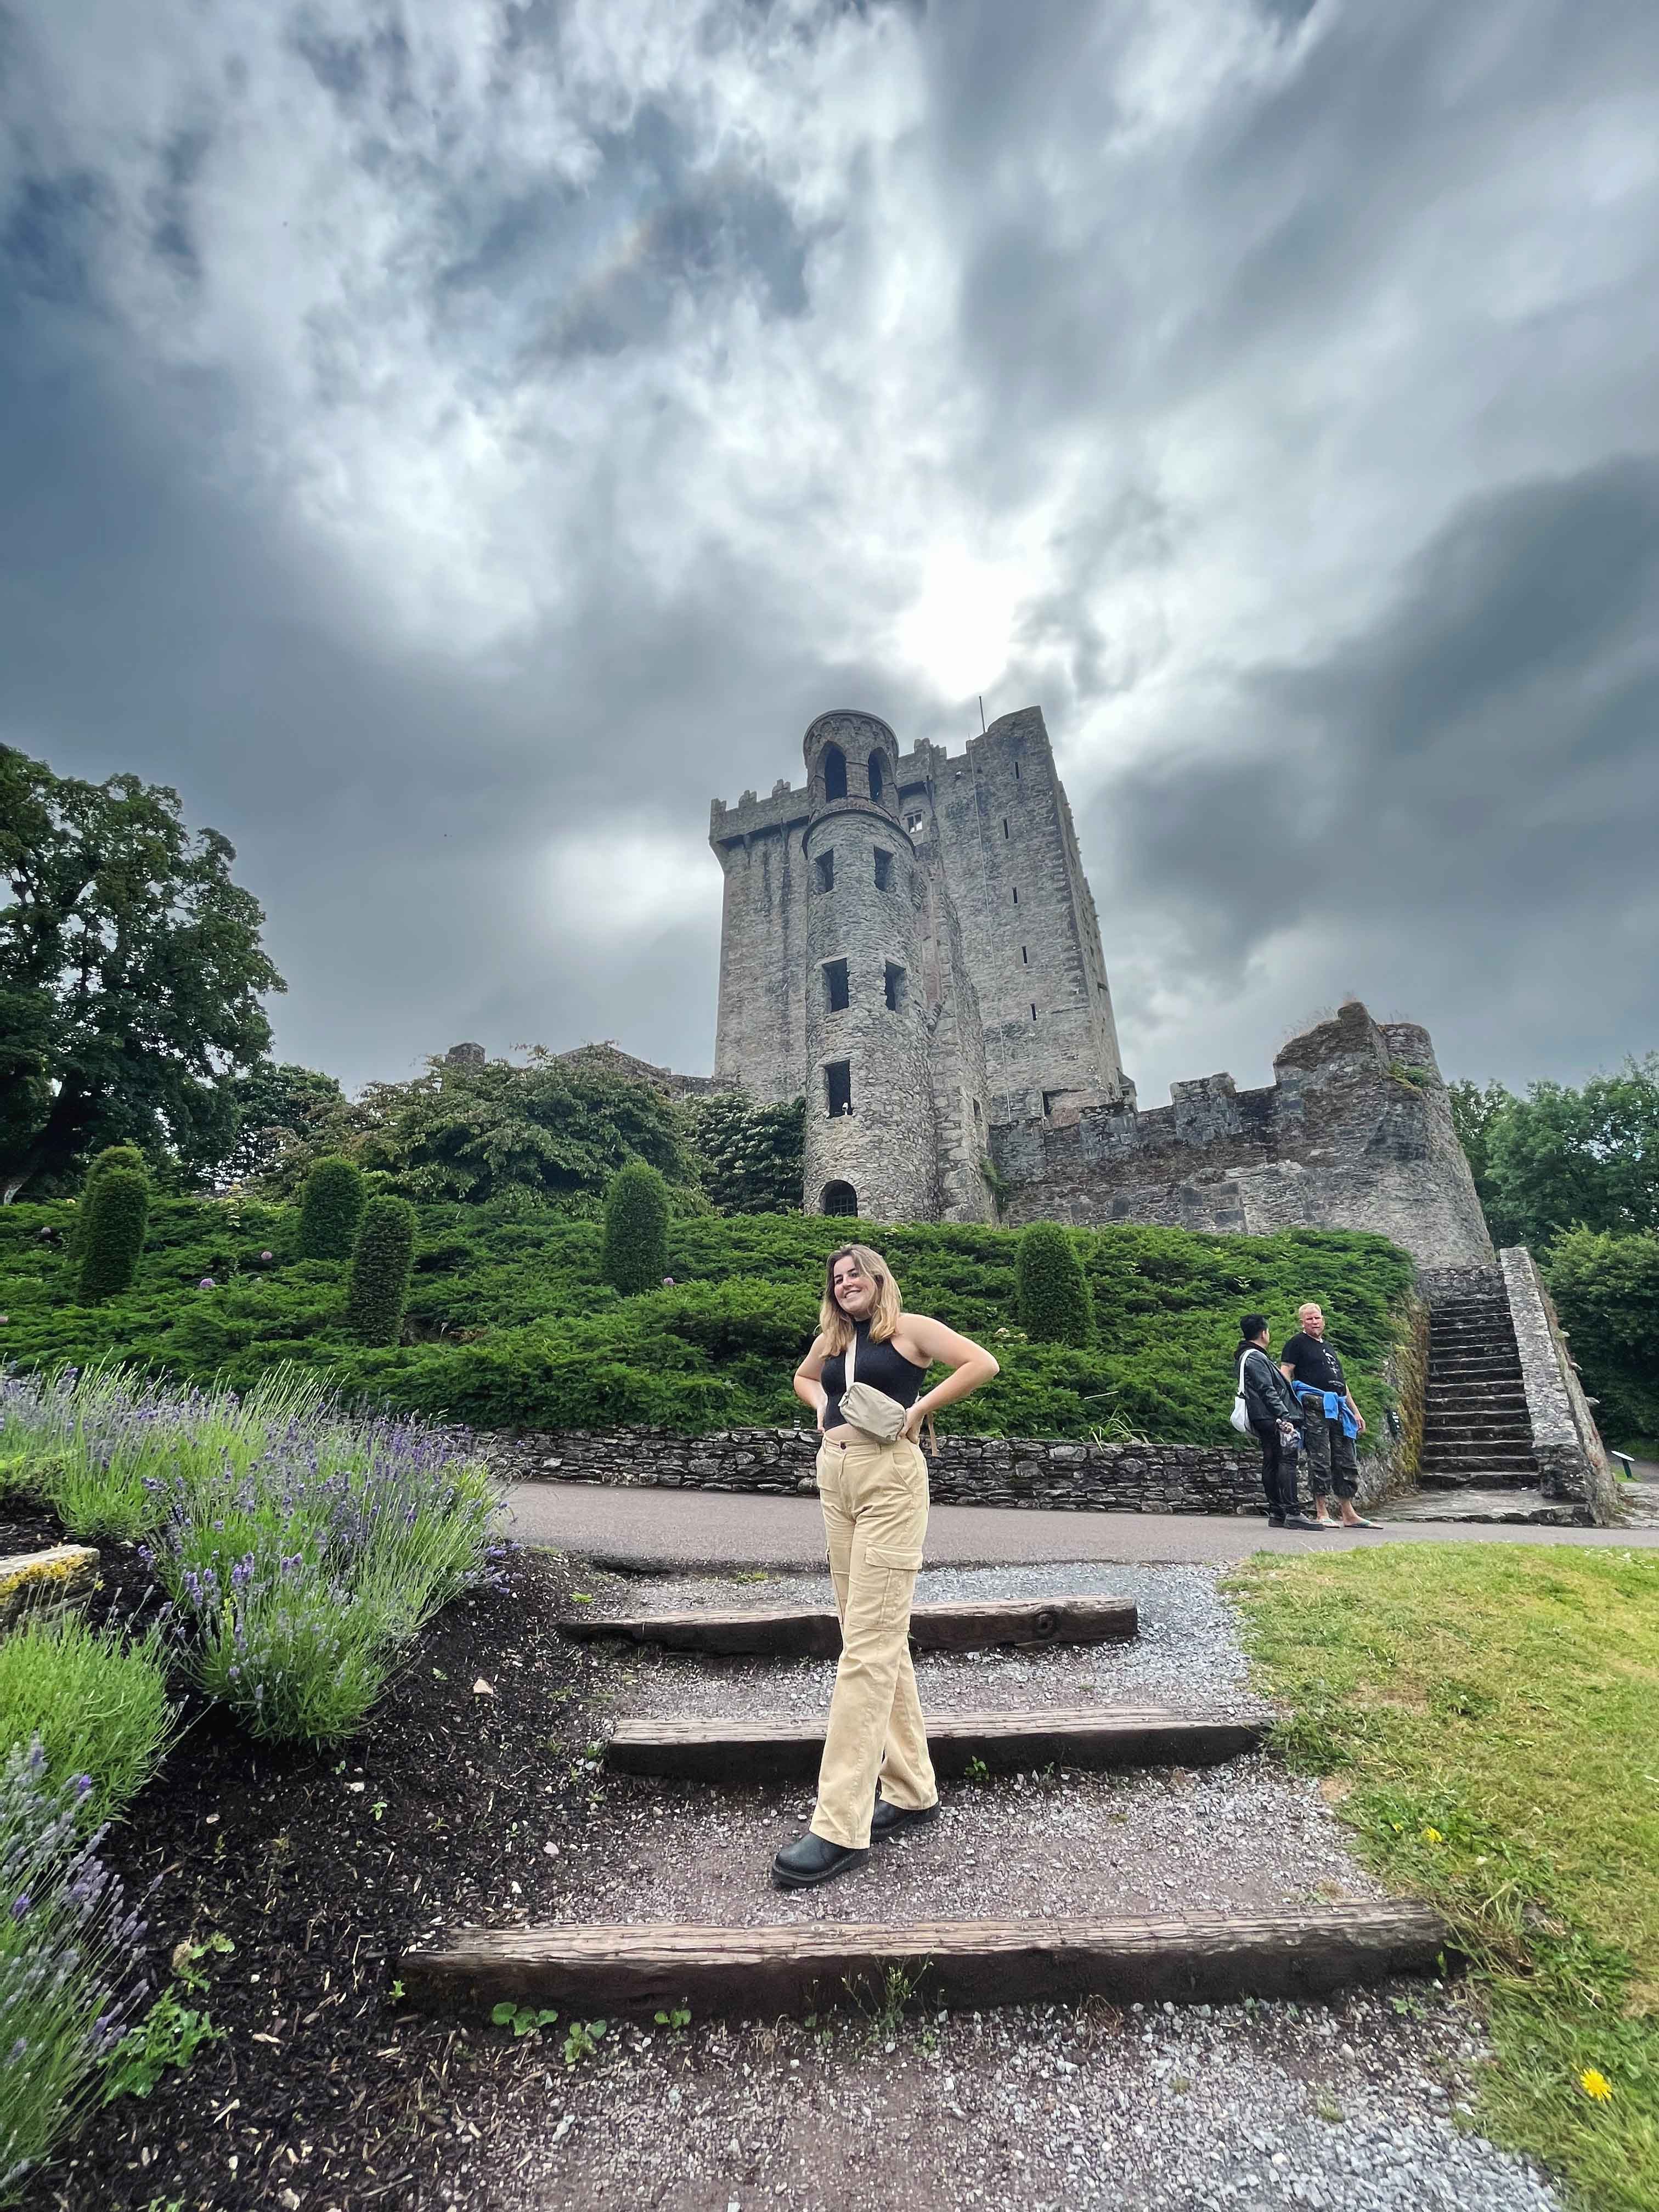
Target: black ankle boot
[(888, 1819), (805, 1864)]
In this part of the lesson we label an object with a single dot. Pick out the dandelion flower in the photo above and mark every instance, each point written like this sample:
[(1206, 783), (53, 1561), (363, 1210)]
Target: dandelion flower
[(1594, 2083), (1432, 1836)]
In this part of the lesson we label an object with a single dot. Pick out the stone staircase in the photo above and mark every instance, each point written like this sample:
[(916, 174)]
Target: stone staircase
[(1477, 1432)]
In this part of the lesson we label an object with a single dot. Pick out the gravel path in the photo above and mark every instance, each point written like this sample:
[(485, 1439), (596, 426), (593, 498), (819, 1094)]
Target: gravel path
[(1358, 2105)]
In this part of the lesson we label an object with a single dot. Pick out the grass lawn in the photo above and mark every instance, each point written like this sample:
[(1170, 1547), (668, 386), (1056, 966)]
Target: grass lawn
[(1488, 1719)]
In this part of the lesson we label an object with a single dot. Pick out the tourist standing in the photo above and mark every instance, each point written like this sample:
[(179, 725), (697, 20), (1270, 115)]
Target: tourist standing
[(1331, 1422), (1275, 1419), (873, 1484)]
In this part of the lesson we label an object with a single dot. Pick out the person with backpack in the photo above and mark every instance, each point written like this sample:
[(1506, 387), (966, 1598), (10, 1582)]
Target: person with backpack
[(1275, 1421)]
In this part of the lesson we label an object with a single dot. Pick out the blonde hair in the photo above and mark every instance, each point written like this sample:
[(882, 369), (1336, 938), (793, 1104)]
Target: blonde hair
[(834, 1326)]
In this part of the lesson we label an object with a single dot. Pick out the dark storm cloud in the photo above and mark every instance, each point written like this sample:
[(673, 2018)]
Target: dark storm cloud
[(453, 443), (1476, 778)]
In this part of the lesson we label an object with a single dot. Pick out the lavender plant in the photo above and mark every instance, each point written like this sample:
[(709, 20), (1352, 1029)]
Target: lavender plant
[(68, 1985), (303, 1547)]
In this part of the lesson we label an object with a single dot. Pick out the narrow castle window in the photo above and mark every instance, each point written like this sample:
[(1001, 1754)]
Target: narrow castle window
[(895, 987), (1005, 825), (875, 777), (1034, 1012), (884, 870), (1024, 957), (835, 986), (978, 1116), (1016, 771), (1016, 894), (824, 867), (835, 772), (839, 1198), (838, 1086)]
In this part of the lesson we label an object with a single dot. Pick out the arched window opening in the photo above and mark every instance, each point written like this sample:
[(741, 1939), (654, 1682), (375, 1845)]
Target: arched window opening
[(839, 1198), (876, 780), (835, 772)]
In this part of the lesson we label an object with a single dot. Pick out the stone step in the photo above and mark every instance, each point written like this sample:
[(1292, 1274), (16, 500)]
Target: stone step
[(1476, 1479), (755, 1973), (814, 1632), (1473, 1363), (726, 1751), (1456, 1461), (1477, 1430), (1477, 1399)]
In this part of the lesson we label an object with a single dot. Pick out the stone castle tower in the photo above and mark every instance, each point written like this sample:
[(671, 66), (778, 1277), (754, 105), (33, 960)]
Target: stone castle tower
[(909, 940)]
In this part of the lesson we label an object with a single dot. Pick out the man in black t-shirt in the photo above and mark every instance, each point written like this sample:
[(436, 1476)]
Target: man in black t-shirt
[(1331, 1420)]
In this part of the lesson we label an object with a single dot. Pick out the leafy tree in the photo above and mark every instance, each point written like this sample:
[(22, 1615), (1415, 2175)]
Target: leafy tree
[(536, 1136), (111, 1240), (1605, 1289), (377, 1289), (1052, 1294), (635, 1230), (1560, 1156), (329, 1209), (130, 975), (1475, 1109), (276, 1105), (751, 1158)]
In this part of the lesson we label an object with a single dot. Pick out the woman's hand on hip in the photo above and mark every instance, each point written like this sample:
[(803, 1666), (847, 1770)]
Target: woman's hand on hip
[(911, 1432)]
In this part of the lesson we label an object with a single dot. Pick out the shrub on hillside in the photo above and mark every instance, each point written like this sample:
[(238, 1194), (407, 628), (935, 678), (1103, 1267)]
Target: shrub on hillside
[(377, 1289), (330, 1206), (1054, 1303), (113, 1156), (111, 1235), (636, 1256)]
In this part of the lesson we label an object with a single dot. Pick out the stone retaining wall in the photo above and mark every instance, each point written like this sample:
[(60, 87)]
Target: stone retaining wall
[(1019, 1471), (1566, 1444)]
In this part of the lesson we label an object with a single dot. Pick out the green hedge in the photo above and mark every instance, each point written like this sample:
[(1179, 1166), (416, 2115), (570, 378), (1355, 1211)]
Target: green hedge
[(514, 1324), (330, 1206), (109, 1239), (377, 1289), (1053, 1293)]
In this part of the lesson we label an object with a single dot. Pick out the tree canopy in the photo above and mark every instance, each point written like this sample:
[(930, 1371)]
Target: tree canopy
[(1561, 1157), (538, 1135), (131, 972)]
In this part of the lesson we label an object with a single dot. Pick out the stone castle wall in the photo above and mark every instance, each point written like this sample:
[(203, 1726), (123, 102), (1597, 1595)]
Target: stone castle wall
[(1354, 1133)]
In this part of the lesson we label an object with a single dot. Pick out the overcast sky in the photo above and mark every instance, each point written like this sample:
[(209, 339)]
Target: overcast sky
[(451, 442)]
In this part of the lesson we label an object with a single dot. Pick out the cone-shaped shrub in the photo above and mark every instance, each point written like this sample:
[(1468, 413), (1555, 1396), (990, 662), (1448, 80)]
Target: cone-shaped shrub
[(377, 1289), (1055, 1305), (112, 1239), (330, 1206), (635, 1230), (114, 1156)]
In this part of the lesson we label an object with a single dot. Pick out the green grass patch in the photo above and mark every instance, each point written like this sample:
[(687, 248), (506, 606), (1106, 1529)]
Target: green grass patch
[(1490, 1716), (510, 1324)]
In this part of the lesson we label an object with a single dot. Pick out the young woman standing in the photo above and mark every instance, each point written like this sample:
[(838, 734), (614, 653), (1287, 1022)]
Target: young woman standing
[(874, 1496)]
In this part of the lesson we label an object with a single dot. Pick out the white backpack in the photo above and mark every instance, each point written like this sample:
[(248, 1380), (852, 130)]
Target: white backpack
[(1240, 1416)]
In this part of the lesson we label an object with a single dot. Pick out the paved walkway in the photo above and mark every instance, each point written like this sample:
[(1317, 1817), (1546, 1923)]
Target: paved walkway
[(653, 1530)]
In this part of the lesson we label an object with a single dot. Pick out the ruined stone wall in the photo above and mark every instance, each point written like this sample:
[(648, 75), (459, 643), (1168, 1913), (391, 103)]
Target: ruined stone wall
[(1352, 1134), (1566, 1444)]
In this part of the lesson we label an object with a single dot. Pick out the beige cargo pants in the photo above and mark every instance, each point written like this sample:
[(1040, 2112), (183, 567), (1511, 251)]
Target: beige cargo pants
[(875, 1514)]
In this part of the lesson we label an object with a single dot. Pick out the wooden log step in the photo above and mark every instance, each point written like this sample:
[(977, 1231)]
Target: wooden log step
[(758, 1973), (790, 1750), (814, 1632)]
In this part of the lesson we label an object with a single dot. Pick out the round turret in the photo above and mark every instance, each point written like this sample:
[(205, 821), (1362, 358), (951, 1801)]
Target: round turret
[(871, 1143)]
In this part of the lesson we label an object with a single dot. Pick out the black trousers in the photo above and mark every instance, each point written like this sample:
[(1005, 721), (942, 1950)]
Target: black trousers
[(1278, 1469)]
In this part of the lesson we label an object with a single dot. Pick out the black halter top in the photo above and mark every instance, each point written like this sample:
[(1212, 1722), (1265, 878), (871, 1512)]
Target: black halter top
[(879, 1365)]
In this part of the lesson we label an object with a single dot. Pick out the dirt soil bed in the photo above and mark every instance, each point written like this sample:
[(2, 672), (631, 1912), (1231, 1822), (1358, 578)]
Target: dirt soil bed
[(320, 1869)]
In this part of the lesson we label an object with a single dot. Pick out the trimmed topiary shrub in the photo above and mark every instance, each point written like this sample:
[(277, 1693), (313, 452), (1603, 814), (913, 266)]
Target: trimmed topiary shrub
[(115, 1156), (111, 1236), (331, 1207), (377, 1289), (1051, 1294), (636, 1256)]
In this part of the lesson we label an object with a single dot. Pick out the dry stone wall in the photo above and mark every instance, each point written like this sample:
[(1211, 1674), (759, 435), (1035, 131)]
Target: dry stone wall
[(1005, 1471)]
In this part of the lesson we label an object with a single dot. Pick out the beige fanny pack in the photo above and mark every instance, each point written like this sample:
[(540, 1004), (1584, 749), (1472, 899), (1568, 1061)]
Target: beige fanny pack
[(864, 1407)]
